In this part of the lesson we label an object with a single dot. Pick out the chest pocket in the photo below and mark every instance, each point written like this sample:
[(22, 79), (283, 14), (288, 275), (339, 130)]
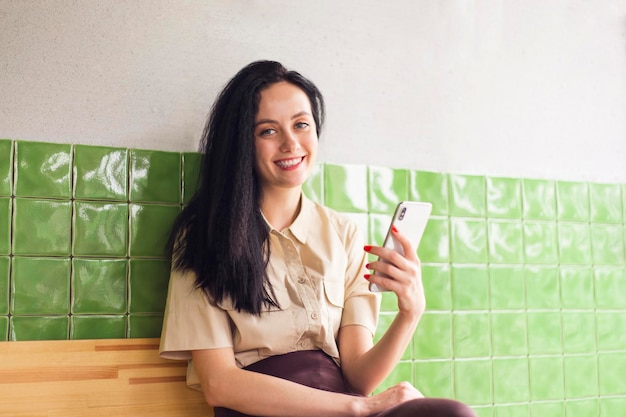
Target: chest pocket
[(334, 290)]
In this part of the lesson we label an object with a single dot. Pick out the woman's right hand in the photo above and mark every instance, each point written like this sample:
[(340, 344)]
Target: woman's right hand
[(391, 397)]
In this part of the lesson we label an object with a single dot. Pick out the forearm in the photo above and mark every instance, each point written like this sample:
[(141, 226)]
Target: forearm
[(368, 370), (265, 395)]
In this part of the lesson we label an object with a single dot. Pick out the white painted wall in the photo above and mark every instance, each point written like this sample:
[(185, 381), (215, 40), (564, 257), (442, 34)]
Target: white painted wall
[(530, 88)]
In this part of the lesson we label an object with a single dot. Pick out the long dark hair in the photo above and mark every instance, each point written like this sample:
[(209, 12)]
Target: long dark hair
[(221, 235)]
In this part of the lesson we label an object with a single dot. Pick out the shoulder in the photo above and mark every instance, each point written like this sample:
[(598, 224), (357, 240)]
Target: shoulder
[(341, 223)]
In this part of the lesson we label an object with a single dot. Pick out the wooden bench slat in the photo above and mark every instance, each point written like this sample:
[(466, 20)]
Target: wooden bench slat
[(94, 378)]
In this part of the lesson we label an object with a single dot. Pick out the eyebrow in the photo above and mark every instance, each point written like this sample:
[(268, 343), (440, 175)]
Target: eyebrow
[(295, 116)]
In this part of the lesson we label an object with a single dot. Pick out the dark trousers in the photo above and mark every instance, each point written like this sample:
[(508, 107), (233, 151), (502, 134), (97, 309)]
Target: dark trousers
[(315, 369)]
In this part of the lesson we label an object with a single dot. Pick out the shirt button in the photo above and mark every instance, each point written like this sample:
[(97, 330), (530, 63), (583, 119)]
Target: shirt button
[(314, 316), (303, 344), (301, 280)]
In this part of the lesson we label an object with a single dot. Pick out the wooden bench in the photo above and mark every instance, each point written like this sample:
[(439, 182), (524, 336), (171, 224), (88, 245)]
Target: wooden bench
[(94, 378)]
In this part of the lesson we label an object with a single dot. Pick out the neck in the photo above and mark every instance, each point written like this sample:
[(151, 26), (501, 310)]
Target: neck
[(280, 207)]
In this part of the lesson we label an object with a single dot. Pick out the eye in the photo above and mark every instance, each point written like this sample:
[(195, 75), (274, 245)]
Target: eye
[(267, 132), (302, 125)]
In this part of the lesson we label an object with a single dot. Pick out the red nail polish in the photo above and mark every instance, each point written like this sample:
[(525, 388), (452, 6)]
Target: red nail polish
[(367, 266), (366, 276), (394, 229), (367, 248)]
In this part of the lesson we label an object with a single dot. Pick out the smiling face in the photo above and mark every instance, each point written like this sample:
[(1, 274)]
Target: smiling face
[(285, 137)]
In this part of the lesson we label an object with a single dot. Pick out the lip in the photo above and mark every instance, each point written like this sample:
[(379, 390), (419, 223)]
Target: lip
[(293, 163)]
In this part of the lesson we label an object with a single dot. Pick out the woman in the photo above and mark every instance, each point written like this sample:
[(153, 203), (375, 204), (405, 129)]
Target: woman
[(269, 291)]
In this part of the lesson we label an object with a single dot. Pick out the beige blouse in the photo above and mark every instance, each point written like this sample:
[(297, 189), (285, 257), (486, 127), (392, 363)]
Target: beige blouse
[(316, 268)]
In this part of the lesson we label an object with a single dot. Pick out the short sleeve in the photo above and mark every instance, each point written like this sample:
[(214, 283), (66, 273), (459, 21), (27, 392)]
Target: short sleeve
[(190, 321), (360, 304)]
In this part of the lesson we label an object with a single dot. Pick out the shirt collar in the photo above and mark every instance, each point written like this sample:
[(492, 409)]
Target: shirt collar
[(300, 226)]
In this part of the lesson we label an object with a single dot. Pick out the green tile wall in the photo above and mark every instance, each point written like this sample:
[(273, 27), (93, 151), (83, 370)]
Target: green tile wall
[(82, 235), (525, 278)]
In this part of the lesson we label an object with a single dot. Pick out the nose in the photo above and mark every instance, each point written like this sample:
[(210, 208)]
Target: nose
[(289, 142)]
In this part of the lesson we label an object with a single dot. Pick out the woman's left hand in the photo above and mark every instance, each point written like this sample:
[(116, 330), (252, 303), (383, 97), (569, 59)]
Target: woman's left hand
[(401, 274)]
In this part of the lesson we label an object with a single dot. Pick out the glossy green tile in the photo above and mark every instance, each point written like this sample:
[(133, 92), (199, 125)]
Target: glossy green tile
[(435, 243), (431, 187), (378, 226), (99, 286), (6, 169), (540, 243), (471, 334), (611, 368), (544, 333), (41, 227), (624, 202), (313, 187), (539, 199), (43, 169), (504, 198), (387, 187), (39, 328), (609, 288), (572, 201), (508, 334), (4, 328), (467, 195), (437, 286), (484, 411), (472, 381), (155, 176), (40, 286), (148, 285), (506, 244), (191, 174), (346, 188), (434, 378), (548, 409), (606, 324), (576, 286), (511, 376), (100, 173), (512, 410), (605, 203), (546, 378), (150, 226), (470, 287), (6, 205), (578, 371), (579, 331), (586, 407), (100, 229), (542, 287), (433, 337), (148, 325), (384, 321), (574, 244), (98, 327), (612, 406), (5, 271), (607, 244), (507, 289), (389, 302), (468, 241)]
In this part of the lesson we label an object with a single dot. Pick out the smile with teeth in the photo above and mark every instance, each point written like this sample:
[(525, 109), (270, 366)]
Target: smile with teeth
[(288, 163)]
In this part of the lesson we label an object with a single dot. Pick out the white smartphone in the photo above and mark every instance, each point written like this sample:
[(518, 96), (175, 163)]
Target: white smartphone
[(410, 218)]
